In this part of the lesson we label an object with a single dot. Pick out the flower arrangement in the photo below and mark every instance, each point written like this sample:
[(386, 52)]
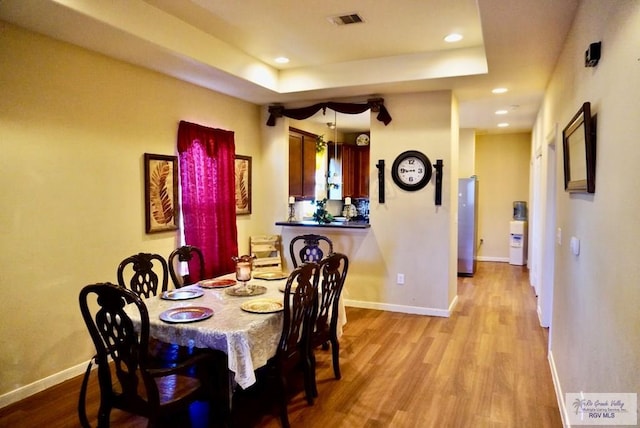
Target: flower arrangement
[(321, 215)]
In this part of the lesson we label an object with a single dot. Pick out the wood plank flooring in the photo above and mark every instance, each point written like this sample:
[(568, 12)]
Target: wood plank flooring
[(485, 366)]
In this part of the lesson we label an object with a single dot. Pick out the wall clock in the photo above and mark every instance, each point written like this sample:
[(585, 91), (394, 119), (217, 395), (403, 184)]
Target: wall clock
[(362, 140), (411, 170)]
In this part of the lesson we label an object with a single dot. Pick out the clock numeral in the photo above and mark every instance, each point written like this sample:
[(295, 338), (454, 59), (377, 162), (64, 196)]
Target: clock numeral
[(411, 161), (410, 179)]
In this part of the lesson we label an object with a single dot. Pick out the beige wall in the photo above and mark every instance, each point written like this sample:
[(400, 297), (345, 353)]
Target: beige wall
[(467, 163), (73, 128), (502, 166), (408, 233), (595, 345)]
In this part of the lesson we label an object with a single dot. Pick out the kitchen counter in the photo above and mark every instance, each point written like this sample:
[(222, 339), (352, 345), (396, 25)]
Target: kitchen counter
[(333, 224)]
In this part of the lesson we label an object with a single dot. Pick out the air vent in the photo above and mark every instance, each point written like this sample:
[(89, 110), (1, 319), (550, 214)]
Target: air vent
[(352, 18)]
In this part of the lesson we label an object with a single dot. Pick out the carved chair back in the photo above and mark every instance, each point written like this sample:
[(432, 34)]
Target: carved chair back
[(148, 274), (194, 259), (309, 248)]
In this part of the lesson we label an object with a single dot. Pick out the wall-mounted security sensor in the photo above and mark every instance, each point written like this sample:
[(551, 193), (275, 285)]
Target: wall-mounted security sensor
[(592, 55)]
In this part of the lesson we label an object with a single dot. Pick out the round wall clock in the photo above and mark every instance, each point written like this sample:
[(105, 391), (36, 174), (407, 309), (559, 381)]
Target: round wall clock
[(411, 170), (362, 140)]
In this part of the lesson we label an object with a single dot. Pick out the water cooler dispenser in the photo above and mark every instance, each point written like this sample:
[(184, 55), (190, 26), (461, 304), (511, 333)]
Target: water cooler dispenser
[(518, 234)]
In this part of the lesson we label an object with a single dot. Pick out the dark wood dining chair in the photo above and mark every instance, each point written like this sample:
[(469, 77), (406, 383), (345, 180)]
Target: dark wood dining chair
[(131, 383), (186, 254), (147, 274), (293, 352), (309, 248), (331, 273)]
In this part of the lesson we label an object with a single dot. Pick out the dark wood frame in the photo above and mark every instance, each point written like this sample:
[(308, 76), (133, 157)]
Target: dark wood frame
[(160, 188), (579, 149), (243, 207)]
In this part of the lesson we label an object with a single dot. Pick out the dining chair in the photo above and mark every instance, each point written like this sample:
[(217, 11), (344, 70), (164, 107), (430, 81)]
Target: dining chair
[(309, 248), (190, 255), (130, 382), (148, 274), (331, 274), (293, 352)]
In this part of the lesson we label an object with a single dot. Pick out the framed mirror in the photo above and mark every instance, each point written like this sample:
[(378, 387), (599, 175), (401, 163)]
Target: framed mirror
[(579, 149)]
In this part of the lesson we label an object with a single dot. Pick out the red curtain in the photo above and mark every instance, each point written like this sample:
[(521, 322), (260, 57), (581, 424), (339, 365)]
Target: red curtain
[(208, 195)]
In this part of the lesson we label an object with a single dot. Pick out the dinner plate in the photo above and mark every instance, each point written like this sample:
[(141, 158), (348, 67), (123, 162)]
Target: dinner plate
[(281, 287), (186, 314), (255, 290), (270, 276), (217, 283), (262, 306), (182, 294)]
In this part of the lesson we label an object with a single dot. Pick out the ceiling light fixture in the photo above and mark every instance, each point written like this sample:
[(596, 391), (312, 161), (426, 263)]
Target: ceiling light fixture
[(282, 60), (501, 112), (499, 90), (503, 125), (453, 37)]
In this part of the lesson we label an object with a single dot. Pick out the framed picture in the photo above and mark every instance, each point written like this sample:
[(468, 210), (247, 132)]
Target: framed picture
[(160, 192), (579, 149), (243, 184)]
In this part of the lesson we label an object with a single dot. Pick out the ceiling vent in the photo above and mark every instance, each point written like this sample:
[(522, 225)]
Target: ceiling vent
[(352, 18)]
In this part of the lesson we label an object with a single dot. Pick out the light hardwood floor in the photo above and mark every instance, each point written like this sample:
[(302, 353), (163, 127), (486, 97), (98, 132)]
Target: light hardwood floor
[(485, 366)]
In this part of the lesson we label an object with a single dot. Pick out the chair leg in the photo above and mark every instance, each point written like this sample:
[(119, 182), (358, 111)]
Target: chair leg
[(284, 416), (311, 378), (335, 350)]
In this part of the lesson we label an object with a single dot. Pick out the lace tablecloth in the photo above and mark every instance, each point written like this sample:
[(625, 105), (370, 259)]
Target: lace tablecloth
[(249, 339)]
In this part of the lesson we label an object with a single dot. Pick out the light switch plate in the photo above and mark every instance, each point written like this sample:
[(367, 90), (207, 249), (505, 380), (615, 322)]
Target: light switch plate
[(575, 246)]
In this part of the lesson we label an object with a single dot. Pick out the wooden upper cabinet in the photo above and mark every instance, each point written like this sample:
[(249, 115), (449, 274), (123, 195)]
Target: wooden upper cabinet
[(355, 171), (302, 164)]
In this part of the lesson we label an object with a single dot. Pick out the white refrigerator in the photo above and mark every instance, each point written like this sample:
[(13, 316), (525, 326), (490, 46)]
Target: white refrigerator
[(467, 225)]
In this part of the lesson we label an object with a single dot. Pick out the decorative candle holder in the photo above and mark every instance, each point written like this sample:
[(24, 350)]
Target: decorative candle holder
[(244, 266), (292, 209), (292, 213)]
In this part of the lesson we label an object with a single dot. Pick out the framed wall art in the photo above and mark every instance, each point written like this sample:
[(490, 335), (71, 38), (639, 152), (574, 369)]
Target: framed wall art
[(160, 192), (579, 150), (243, 184)]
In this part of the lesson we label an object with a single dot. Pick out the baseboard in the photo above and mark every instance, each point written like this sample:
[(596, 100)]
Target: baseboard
[(40, 385), (559, 395), (417, 310), (492, 259)]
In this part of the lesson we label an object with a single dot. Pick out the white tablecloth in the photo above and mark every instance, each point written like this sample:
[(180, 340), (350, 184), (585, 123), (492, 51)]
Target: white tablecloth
[(249, 339)]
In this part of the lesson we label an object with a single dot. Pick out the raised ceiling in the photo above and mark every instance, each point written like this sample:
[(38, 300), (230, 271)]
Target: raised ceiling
[(230, 45)]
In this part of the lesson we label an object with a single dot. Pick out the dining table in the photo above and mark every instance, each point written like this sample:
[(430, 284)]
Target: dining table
[(219, 314)]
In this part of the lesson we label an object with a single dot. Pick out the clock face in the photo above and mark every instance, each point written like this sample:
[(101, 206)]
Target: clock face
[(362, 140), (411, 170)]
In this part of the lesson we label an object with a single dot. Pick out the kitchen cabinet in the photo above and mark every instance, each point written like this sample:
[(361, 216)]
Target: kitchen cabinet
[(355, 169), (302, 164)]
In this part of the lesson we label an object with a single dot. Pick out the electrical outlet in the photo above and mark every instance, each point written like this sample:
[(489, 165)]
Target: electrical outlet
[(400, 279)]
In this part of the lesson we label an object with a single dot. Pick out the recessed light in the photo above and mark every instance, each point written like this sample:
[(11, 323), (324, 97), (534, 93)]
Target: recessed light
[(453, 37), (501, 112), (499, 90), (282, 60), (503, 125)]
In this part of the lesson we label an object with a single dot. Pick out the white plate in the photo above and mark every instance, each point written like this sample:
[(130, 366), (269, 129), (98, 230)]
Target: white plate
[(262, 306), (186, 314), (181, 294)]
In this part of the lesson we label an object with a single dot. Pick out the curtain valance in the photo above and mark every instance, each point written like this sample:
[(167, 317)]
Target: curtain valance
[(376, 105)]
